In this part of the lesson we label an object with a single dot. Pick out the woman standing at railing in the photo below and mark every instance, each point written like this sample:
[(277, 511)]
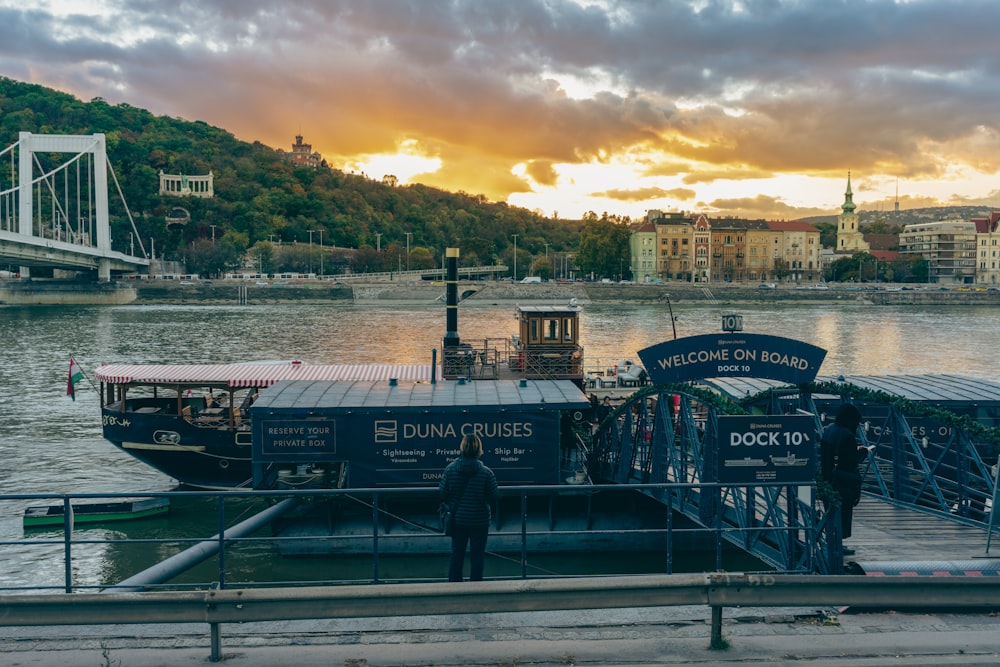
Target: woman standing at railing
[(470, 489)]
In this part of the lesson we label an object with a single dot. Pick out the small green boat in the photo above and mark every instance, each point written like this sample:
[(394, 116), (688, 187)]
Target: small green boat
[(119, 509)]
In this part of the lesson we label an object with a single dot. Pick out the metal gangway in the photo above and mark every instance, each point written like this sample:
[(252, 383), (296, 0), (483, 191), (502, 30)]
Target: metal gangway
[(59, 216), (924, 498)]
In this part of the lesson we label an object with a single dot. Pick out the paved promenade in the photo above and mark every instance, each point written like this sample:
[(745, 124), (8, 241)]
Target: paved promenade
[(638, 636)]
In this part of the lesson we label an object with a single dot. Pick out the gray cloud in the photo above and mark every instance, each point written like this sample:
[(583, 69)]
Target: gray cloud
[(779, 87)]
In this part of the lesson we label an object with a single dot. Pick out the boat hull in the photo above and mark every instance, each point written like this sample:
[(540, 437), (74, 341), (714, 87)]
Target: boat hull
[(207, 458), (96, 512)]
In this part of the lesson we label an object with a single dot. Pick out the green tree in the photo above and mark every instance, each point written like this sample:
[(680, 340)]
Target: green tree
[(881, 226), (866, 267), (604, 250), (211, 259), (262, 256), (781, 269), (421, 258), (919, 270), (827, 234), (542, 268), (843, 270)]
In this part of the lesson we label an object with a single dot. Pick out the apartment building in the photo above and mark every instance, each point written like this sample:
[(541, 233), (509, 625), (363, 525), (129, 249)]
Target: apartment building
[(642, 252), (988, 249), (798, 249), (696, 249), (949, 246)]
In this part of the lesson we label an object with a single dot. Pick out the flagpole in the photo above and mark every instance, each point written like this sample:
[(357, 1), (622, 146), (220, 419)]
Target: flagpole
[(92, 385), (71, 383)]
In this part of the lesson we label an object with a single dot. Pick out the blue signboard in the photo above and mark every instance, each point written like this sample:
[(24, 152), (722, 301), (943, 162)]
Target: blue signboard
[(279, 437), (767, 448), (412, 448), (732, 355)]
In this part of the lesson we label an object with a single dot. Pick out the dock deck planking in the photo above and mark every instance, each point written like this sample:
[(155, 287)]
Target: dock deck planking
[(886, 532)]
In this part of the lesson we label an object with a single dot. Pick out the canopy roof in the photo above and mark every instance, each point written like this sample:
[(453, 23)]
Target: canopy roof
[(549, 310), (931, 387), (257, 375), (491, 395)]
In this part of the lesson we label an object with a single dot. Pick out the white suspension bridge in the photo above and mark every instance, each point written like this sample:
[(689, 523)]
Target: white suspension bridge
[(56, 215)]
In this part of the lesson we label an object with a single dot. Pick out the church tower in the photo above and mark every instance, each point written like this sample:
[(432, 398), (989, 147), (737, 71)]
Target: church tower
[(849, 237)]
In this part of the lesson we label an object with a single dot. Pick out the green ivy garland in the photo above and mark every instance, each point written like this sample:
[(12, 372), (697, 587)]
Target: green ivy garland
[(717, 400), (825, 491), (904, 405)]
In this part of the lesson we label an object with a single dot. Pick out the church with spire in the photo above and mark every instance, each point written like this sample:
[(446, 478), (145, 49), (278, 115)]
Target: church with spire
[(850, 240)]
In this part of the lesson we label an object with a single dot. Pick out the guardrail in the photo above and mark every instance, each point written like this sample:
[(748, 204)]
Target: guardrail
[(717, 591)]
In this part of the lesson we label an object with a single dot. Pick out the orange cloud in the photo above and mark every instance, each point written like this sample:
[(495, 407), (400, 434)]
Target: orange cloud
[(647, 194)]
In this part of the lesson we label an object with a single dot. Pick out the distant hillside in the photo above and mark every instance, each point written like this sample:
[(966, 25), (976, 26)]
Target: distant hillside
[(262, 197), (907, 216)]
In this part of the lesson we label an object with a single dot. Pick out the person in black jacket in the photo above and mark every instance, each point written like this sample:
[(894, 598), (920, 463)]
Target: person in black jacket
[(470, 489), (840, 455)]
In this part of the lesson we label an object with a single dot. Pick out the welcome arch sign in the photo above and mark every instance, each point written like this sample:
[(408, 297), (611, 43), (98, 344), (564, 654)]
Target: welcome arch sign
[(732, 355), (747, 450)]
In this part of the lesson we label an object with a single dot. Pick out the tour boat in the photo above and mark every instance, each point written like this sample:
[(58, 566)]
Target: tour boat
[(191, 421)]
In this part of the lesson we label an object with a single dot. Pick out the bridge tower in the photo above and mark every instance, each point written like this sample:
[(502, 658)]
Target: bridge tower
[(93, 144)]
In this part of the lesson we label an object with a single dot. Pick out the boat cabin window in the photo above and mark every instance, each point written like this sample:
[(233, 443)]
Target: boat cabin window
[(533, 336), (568, 336), (551, 330)]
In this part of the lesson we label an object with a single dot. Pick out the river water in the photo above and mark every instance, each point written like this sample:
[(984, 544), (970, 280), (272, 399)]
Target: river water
[(51, 444)]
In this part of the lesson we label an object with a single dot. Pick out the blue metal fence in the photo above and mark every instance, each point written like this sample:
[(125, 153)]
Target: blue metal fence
[(666, 435)]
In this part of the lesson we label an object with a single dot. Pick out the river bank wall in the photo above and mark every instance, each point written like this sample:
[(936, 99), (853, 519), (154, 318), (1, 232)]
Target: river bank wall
[(470, 293), (493, 293)]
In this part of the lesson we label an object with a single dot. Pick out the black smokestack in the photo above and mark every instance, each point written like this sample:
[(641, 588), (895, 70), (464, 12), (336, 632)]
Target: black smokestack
[(451, 338)]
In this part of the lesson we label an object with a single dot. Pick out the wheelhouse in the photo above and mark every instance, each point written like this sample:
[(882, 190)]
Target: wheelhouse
[(547, 346)]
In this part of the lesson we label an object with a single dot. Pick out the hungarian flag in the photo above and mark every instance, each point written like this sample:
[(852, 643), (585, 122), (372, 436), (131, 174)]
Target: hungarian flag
[(75, 375)]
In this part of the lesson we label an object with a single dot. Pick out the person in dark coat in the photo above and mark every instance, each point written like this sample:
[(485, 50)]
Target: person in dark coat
[(840, 455), (470, 489)]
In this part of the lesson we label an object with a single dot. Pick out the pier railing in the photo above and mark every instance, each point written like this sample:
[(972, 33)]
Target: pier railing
[(147, 554)]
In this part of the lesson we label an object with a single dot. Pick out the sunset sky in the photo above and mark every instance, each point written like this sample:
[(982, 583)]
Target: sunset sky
[(754, 108)]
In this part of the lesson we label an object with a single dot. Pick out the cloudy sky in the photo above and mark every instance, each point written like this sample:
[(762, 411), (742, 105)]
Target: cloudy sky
[(728, 107)]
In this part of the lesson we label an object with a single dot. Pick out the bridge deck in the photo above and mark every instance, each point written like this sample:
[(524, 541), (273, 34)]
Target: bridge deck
[(885, 532)]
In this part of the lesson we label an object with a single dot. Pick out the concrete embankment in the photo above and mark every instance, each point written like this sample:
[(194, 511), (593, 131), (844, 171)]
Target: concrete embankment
[(39, 293), (490, 293), (222, 292)]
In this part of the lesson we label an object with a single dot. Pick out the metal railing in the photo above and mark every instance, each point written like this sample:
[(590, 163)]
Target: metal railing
[(943, 474), (465, 272), (527, 522), (661, 441), (717, 591)]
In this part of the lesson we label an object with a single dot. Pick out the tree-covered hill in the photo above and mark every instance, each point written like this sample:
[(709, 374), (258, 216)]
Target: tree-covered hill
[(265, 203)]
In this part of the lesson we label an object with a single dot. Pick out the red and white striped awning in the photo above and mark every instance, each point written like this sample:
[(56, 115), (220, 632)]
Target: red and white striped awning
[(258, 375)]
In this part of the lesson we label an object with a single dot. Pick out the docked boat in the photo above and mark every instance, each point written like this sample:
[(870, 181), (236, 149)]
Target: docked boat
[(121, 509), (194, 423), (191, 422)]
